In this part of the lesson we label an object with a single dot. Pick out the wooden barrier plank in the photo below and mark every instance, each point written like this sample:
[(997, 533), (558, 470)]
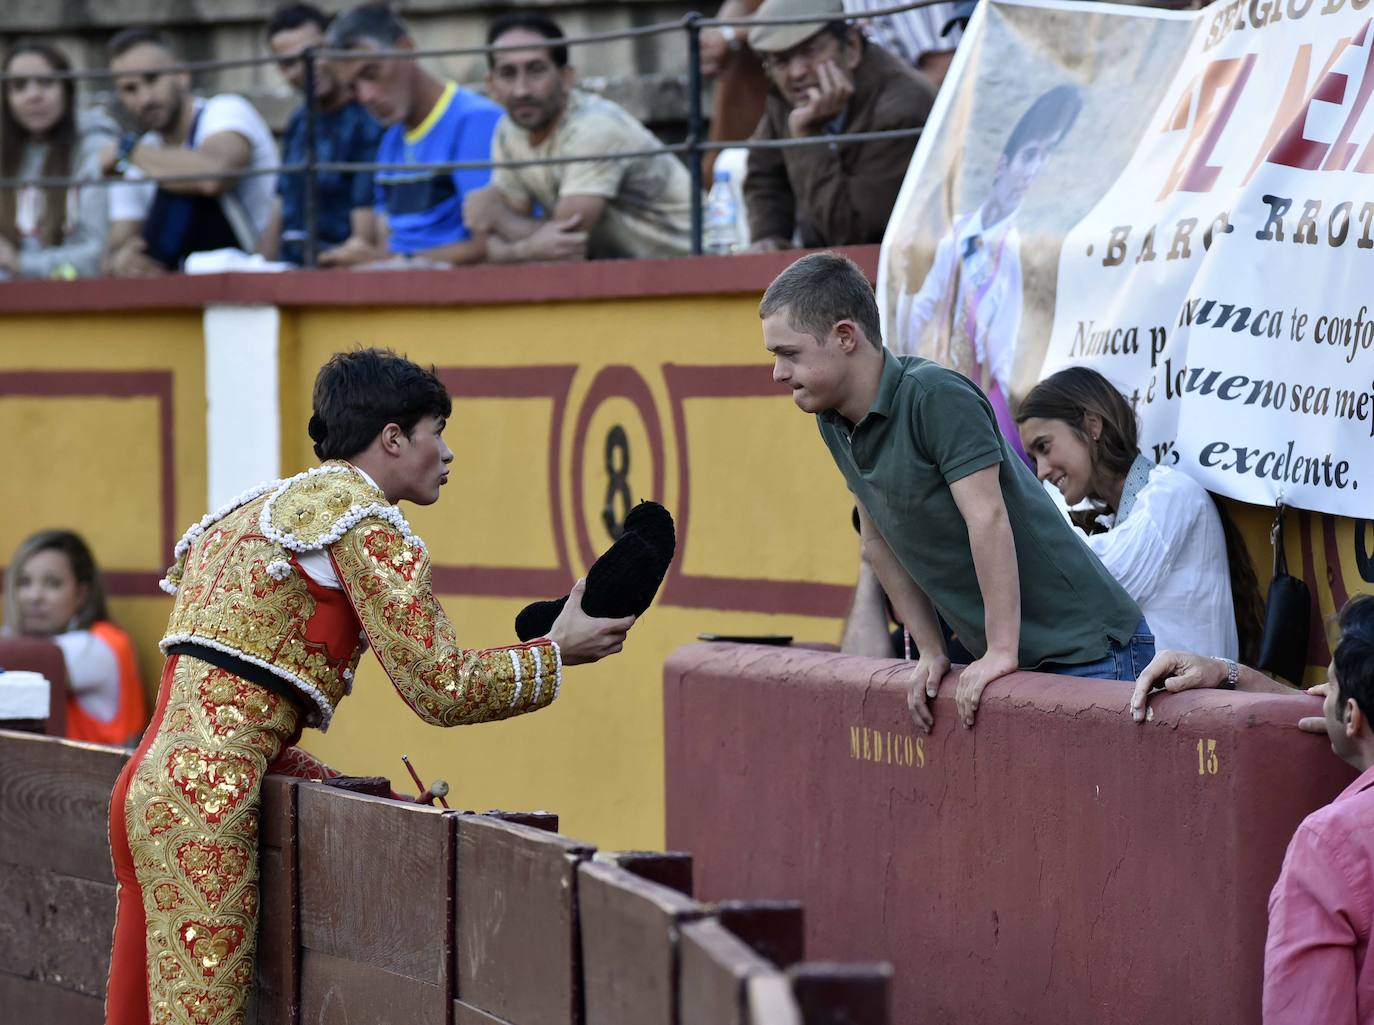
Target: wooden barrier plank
[(54, 804), (376, 885), (335, 990), (770, 1001), (466, 1014), (21, 918), (629, 950), (715, 968), (773, 929), (842, 994), (28, 1000), (277, 979), (545, 820), (672, 869), (516, 925), (55, 929)]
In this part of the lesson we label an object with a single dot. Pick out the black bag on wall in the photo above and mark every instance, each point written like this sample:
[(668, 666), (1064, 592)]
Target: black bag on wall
[(1288, 616)]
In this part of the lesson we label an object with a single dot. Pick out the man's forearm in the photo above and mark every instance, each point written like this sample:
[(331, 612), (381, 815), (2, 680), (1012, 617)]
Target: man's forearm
[(994, 563), (157, 162), (912, 605), (501, 251), (457, 253), (1256, 682), (865, 625), (512, 226)]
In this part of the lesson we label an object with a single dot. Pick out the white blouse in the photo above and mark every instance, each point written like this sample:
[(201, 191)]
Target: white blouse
[(1170, 556), (92, 672)]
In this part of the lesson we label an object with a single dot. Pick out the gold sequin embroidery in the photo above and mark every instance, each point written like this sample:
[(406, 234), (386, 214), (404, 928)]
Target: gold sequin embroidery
[(192, 817)]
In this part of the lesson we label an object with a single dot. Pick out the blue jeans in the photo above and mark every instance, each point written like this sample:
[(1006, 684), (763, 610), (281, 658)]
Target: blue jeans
[(1123, 662)]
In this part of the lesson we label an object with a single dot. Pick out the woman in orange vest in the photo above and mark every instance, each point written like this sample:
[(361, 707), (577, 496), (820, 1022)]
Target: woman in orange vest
[(53, 589)]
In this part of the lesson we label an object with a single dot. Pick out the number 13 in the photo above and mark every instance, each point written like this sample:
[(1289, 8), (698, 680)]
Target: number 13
[(1207, 764)]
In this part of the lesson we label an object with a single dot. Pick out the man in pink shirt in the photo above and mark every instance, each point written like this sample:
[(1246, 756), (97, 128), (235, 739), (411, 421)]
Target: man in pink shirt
[(1318, 968)]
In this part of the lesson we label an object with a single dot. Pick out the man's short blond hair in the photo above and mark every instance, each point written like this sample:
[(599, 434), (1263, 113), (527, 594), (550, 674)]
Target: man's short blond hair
[(819, 291)]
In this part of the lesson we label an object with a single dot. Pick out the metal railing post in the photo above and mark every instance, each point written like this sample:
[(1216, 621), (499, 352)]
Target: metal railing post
[(692, 23), (310, 244)]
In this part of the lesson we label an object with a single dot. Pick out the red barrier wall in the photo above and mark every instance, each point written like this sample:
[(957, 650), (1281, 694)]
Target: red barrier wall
[(1057, 864)]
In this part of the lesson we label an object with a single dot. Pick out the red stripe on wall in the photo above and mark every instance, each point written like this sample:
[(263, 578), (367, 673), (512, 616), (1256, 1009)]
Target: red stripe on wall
[(550, 382), (118, 384), (733, 594)]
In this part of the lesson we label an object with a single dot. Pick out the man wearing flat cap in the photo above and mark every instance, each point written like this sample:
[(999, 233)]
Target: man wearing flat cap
[(825, 79)]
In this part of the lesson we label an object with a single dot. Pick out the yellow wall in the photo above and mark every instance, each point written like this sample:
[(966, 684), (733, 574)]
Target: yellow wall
[(81, 459), (765, 505), (763, 493)]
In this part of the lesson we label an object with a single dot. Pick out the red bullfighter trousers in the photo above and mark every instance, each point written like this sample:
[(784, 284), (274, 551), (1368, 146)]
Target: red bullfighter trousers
[(184, 839)]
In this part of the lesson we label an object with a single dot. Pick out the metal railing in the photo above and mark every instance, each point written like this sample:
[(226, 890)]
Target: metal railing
[(691, 149)]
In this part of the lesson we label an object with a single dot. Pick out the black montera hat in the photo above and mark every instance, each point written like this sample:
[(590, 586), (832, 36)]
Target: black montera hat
[(623, 581)]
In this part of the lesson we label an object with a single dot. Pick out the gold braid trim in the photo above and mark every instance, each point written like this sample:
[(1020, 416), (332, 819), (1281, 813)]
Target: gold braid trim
[(313, 509), (387, 579)]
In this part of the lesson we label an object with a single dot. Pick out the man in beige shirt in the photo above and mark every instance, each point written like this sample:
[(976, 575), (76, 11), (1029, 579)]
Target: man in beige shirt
[(591, 209)]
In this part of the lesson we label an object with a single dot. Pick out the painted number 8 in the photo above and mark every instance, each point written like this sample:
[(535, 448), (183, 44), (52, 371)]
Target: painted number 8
[(1364, 553), (617, 482)]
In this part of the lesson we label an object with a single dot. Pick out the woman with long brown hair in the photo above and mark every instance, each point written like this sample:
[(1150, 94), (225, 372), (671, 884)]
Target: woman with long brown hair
[(49, 231), (53, 590), (1163, 537)]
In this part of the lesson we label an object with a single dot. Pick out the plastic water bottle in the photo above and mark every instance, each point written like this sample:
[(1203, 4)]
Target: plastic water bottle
[(720, 230)]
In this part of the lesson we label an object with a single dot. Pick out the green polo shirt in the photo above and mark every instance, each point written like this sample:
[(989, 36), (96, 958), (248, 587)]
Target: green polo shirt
[(928, 428)]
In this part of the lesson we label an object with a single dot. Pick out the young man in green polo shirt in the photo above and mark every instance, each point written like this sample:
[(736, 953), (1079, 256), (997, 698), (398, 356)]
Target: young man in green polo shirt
[(952, 520)]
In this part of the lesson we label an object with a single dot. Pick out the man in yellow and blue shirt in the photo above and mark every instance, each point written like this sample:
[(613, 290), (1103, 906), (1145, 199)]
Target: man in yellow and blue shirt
[(429, 121)]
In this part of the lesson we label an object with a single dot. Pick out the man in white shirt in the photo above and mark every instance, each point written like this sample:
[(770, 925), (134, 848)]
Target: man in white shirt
[(155, 224)]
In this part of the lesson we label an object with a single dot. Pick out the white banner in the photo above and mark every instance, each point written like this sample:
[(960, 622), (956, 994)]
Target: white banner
[(1183, 201)]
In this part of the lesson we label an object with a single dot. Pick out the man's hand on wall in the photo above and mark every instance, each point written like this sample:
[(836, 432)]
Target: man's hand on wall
[(1315, 723), (974, 680), (482, 209), (768, 245), (350, 251), (132, 261), (923, 686), (556, 240)]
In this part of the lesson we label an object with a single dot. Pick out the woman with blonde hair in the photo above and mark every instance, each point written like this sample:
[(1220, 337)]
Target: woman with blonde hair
[(53, 590)]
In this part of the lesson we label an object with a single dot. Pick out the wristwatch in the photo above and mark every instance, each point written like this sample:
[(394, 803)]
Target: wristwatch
[(1232, 673), (127, 142)]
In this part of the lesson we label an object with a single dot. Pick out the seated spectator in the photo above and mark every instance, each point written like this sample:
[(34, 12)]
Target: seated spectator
[(53, 589), (59, 231), (1318, 962), (924, 37), (828, 81), (595, 209), (419, 212), (1318, 965), (1156, 529), (345, 224), (155, 224)]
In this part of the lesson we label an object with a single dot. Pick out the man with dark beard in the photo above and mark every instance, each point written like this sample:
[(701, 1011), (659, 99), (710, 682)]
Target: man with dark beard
[(638, 207), (154, 225)]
